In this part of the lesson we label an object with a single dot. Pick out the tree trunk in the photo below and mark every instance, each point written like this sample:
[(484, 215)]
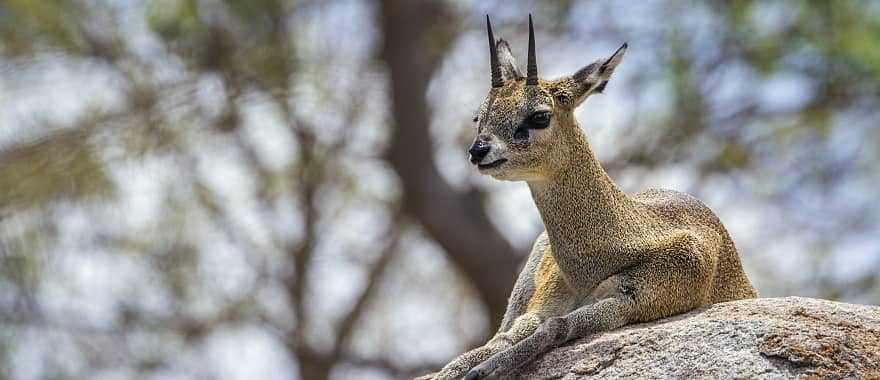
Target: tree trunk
[(456, 219)]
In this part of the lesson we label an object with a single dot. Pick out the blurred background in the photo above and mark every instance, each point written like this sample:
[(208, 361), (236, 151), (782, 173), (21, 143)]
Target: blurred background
[(279, 189)]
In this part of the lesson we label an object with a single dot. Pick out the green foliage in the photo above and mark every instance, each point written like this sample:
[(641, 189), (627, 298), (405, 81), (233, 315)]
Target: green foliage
[(249, 41), (59, 167), (27, 25)]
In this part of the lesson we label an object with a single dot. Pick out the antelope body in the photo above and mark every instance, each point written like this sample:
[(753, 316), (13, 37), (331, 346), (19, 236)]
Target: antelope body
[(606, 259)]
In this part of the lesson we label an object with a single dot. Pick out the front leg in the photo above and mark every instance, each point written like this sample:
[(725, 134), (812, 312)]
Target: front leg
[(522, 327), (673, 280), (552, 298), (517, 324), (606, 314)]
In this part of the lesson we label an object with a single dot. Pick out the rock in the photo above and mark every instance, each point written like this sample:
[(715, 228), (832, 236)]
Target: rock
[(765, 338)]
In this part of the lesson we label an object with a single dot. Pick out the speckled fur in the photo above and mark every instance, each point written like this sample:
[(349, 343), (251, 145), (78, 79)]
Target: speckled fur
[(607, 258)]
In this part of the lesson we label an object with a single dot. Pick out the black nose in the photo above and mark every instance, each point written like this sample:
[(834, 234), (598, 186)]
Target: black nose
[(479, 151)]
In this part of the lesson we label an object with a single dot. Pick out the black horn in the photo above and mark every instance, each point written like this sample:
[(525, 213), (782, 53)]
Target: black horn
[(532, 68), (493, 57)]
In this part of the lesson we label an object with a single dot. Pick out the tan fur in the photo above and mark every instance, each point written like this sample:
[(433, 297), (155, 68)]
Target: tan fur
[(607, 258), (550, 286)]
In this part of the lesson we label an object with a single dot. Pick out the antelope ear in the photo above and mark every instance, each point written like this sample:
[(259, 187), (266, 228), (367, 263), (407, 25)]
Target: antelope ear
[(509, 70), (593, 78)]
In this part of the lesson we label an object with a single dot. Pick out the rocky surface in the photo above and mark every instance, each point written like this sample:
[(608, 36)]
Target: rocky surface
[(766, 338)]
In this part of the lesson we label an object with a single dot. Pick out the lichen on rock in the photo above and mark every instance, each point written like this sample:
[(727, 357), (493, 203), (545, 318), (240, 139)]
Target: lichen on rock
[(765, 338)]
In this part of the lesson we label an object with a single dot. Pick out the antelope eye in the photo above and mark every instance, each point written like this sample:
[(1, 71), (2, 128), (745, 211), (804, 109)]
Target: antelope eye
[(539, 119)]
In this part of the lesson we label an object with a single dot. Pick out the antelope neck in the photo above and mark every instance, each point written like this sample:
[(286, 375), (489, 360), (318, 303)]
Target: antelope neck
[(583, 210)]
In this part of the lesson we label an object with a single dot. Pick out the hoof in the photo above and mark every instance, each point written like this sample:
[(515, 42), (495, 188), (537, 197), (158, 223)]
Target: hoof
[(472, 375)]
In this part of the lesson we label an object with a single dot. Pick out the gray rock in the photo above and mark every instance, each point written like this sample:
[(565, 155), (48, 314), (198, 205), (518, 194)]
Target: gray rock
[(766, 338)]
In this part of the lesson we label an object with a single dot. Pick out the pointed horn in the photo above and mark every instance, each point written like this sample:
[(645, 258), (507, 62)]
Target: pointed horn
[(532, 68), (493, 57)]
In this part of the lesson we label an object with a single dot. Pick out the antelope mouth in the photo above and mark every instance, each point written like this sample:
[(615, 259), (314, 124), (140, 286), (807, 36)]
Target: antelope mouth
[(493, 164)]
